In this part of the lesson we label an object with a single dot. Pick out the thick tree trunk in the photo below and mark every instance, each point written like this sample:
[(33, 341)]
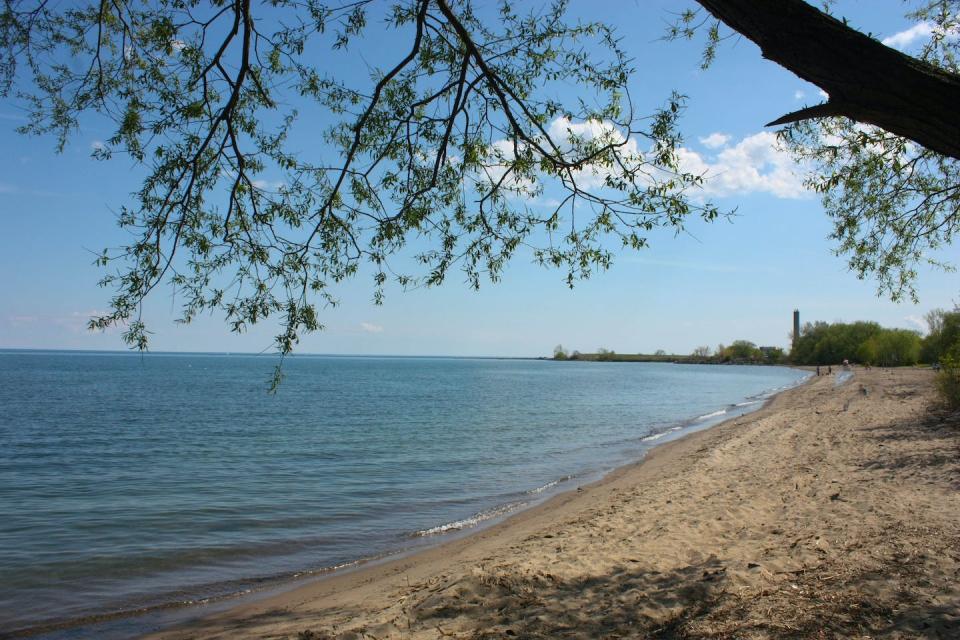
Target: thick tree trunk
[(867, 81)]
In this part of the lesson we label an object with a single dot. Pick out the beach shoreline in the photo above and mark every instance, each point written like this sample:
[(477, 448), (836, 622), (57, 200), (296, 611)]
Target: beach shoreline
[(668, 526), (128, 622)]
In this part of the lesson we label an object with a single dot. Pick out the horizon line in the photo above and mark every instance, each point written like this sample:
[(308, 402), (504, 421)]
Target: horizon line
[(263, 354)]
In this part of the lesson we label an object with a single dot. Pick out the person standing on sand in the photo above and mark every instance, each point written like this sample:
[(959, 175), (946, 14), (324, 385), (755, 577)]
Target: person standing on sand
[(818, 370)]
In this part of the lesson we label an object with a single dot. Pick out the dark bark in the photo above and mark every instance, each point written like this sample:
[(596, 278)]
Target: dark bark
[(867, 81)]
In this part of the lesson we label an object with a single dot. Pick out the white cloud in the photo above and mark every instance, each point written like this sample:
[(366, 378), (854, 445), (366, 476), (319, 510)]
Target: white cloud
[(549, 203), (566, 135), (369, 327), (97, 145), (20, 321), (823, 94), (903, 39), (799, 95), (918, 322), (89, 313), (715, 140), (563, 130), (74, 322), (756, 164), (498, 163), (77, 321), (871, 132), (268, 185)]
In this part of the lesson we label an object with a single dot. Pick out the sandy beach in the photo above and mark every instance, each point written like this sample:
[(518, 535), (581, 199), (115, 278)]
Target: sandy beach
[(833, 512)]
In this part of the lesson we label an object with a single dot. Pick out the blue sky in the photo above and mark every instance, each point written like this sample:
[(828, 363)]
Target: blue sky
[(718, 283)]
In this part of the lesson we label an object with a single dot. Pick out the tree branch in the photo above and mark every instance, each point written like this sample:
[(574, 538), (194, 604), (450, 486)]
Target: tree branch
[(867, 81), (825, 110)]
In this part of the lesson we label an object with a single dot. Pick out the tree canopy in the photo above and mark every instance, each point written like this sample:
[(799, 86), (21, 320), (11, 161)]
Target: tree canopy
[(942, 347), (823, 343), (943, 336), (437, 156)]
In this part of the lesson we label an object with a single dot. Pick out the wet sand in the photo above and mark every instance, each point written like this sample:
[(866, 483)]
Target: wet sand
[(833, 512)]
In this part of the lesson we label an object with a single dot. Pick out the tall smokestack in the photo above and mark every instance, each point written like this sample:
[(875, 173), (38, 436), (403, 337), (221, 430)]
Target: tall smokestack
[(796, 326)]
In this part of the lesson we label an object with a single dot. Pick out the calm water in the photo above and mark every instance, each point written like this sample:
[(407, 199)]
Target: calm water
[(130, 482)]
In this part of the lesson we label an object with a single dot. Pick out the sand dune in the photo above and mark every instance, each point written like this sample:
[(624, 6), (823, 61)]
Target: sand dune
[(834, 512)]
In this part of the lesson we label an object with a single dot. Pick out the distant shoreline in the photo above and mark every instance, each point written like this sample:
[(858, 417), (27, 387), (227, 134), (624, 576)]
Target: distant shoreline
[(667, 358), (273, 354), (581, 357)]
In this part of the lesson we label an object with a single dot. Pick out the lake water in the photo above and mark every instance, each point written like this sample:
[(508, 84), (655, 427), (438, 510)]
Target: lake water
[(130, 482)]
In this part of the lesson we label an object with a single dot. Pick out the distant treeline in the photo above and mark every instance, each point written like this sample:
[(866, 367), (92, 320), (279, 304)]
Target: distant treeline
[(820, 343), (823, 343), (739, 352)]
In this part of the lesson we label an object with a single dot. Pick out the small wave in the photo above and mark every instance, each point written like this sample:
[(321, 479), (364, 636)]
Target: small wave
[(748, 403), (655, 436), (772, 391), (712, 415), (332, 568), (549, 485), (472, 521), (842, 377)]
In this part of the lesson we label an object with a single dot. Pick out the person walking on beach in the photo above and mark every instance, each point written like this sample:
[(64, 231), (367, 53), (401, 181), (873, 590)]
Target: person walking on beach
[(818, 370)]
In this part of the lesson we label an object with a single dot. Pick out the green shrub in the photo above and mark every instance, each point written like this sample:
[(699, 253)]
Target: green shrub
[(948, 381), (944, 334), (604, 355)]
